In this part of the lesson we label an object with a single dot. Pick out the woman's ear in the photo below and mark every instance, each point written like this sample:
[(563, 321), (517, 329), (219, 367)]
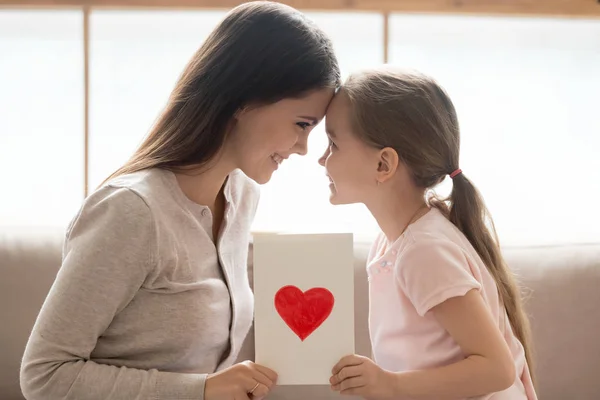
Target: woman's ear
[(238, 113), (388, 161)]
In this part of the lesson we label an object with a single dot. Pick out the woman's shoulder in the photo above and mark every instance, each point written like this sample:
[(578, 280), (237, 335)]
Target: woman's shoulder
[(123, 198), (111, 210), (241, 183), (144, 183), (156, 187)]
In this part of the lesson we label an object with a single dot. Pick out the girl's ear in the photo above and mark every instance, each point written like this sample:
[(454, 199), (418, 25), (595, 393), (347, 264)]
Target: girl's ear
[(387, 164)]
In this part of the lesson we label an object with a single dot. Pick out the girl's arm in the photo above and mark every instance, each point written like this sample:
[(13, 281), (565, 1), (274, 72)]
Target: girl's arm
[(436, 277), (487, 368)]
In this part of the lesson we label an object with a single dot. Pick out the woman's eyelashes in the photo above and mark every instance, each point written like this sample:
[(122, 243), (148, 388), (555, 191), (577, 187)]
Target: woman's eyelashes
[(304, 125)]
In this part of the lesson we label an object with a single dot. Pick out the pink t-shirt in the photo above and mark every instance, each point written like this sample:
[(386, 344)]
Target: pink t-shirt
[(430, 263)]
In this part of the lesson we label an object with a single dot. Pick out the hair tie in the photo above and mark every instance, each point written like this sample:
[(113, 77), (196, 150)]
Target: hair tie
[(456, 172)]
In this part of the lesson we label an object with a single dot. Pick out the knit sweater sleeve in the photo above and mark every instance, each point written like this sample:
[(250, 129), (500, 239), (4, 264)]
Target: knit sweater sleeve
[(109, 251)]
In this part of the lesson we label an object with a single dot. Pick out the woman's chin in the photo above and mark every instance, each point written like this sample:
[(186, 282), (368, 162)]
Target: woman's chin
[(263, 178), (260, 174)]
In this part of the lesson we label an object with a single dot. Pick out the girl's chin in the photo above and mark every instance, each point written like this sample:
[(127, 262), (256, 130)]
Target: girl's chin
[(333, 195)]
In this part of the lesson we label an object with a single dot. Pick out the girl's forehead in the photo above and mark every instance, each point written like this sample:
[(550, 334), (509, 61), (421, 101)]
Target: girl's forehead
[(338, 108), (337, 119), (339, 105)]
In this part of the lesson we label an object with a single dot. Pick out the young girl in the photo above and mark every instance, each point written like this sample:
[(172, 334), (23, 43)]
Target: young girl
[(152, 300), (446, 319)]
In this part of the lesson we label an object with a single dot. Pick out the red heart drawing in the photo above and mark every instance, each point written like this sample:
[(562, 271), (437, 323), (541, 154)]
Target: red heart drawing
[(303, 312)]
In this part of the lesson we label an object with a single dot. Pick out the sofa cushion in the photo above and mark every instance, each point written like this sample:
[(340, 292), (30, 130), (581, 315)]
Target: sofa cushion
[(562, 295), (561, 288), (29, 262)]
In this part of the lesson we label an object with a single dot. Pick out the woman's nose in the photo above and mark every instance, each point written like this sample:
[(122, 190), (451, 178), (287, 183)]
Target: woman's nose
[(301, 146)]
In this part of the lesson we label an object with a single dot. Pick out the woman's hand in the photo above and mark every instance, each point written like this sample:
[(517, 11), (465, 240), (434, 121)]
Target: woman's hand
[(358, 375), (242, 381)]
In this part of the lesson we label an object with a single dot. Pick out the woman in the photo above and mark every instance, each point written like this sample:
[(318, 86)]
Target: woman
[(152, 300)]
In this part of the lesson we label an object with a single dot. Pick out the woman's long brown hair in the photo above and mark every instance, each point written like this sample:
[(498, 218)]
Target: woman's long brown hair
[(260, 53)]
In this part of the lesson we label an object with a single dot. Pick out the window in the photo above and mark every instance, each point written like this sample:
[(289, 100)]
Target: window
[(526, 91), (41, 128), (136, 59), (527, 94)]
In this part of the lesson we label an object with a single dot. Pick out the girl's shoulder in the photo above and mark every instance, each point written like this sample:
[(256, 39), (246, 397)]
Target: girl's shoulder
[(433, 229)]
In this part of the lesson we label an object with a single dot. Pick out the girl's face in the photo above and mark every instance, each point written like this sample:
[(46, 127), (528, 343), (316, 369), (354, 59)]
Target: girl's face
[(264, 136), (350, 164)]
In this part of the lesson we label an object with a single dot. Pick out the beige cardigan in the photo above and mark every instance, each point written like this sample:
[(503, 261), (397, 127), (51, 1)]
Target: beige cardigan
[(144, 305)]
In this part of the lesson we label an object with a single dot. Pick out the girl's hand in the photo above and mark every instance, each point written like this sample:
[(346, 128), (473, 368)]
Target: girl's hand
[(358, 375), (242, 381)]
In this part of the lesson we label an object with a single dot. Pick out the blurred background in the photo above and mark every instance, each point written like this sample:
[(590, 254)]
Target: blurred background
[(81, 83)]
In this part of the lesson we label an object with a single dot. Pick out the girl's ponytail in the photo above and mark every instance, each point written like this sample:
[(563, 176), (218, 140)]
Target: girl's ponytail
[(468, 212)]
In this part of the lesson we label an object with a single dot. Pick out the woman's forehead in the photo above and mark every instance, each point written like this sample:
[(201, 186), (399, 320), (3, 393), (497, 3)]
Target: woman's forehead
[(313, 104)]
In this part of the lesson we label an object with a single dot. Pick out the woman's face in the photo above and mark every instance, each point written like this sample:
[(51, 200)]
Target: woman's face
[(264, 136)]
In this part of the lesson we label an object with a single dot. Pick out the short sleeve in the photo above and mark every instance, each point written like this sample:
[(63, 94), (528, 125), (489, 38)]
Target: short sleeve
[(432, 271)]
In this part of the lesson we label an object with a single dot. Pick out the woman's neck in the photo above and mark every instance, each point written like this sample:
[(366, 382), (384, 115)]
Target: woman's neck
[(204, 185)]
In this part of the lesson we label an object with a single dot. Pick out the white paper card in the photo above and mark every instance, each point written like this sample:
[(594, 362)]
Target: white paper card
[(298, 278)]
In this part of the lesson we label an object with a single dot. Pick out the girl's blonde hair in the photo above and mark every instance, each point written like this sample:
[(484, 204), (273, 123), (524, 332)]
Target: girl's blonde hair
[(412, 114)]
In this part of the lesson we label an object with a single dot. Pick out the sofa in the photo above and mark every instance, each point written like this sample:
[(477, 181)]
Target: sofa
[(561, 286)]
